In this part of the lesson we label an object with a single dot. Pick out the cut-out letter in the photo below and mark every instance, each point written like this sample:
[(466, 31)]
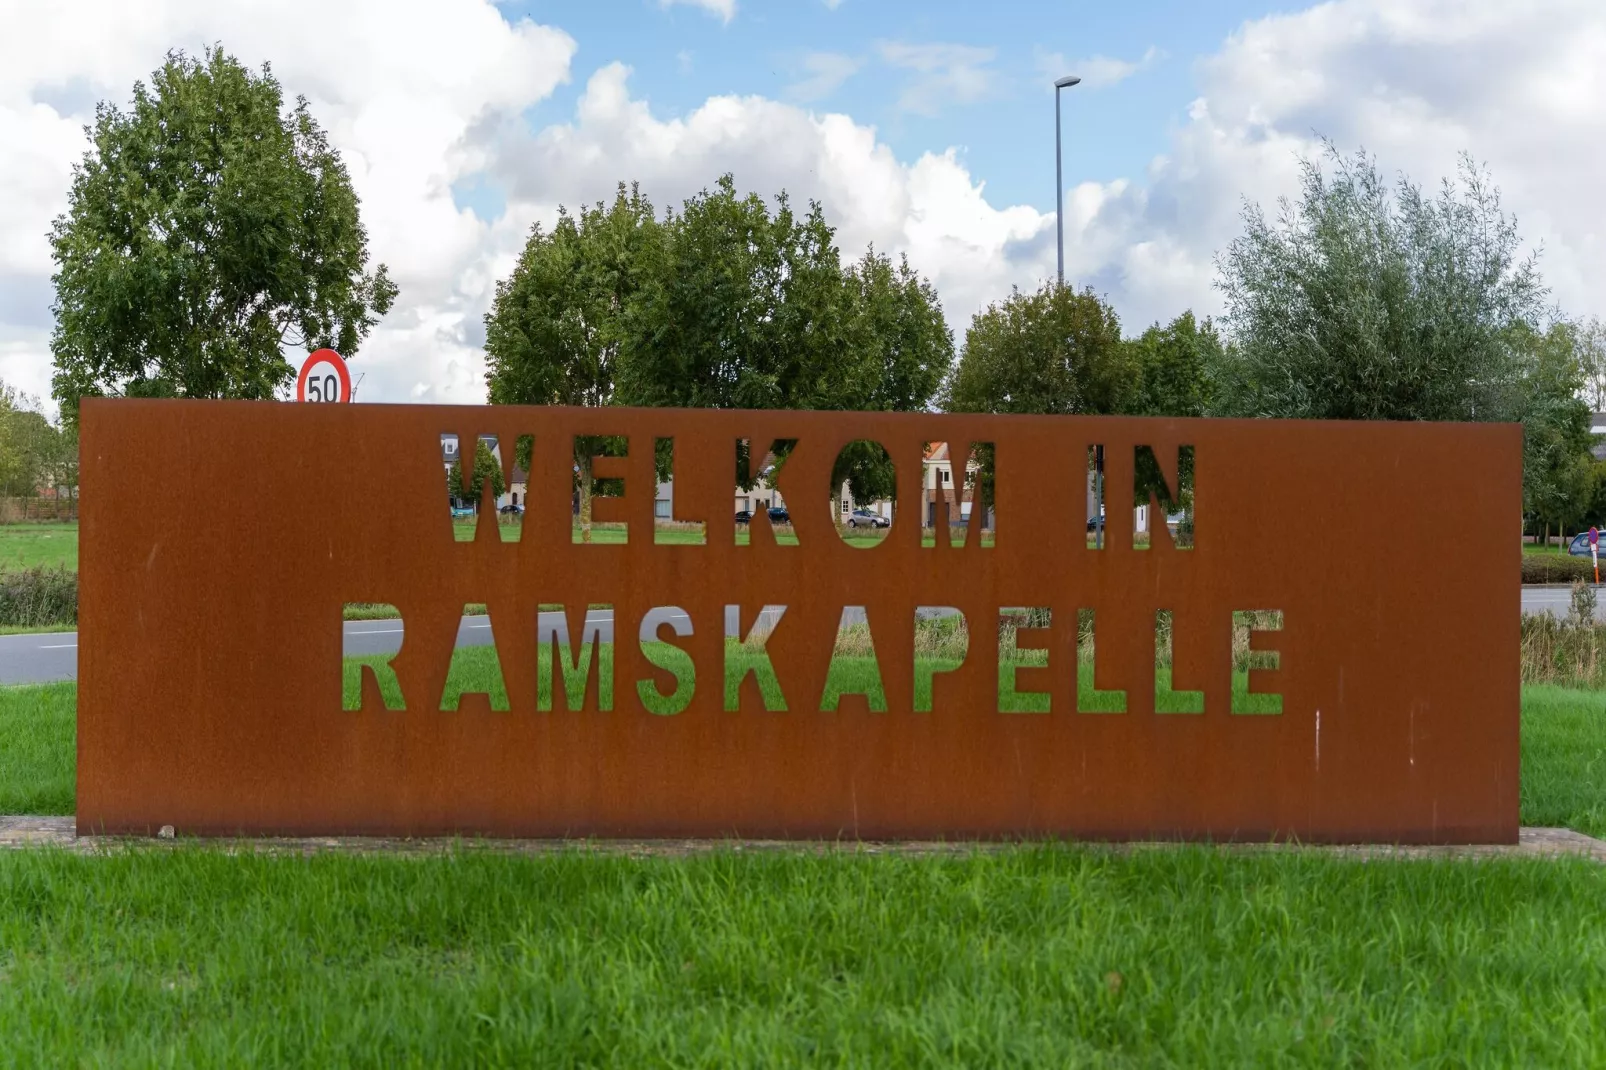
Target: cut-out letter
[(668, 657), (1089, 699), (1032, 625), (1167, 700), (854, 669), (370, 638), (476, 669), (1248, 661), (942, 642), (747, 656), (554, 639)]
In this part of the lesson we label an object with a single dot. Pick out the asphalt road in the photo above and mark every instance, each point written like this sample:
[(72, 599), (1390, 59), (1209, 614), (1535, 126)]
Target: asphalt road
[(49, 656)]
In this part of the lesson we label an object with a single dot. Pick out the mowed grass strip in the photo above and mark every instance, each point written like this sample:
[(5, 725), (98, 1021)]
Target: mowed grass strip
[(46, 545), (1026, 956)]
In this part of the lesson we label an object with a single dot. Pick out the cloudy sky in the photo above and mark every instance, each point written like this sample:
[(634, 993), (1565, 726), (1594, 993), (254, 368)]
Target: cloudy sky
[(925, 128)]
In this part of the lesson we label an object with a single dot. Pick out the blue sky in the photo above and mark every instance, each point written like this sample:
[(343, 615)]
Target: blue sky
[(683, 53)]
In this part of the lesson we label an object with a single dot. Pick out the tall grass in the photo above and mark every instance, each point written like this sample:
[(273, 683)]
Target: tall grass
[(38, 597)]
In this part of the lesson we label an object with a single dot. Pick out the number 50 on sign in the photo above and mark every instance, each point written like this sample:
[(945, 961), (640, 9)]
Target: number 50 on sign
[(324, 378)]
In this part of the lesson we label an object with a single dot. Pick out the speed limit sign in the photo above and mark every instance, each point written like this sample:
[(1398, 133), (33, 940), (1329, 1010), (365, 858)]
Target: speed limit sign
[(324, 378)]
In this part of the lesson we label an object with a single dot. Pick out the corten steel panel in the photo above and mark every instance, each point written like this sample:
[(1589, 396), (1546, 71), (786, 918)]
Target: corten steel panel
[(221, 539)]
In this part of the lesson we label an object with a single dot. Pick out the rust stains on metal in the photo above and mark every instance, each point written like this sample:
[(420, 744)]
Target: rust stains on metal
[(210, 671)]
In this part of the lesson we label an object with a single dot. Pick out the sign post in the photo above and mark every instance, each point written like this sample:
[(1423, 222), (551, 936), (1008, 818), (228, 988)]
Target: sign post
[(1594, 551), (323, 378)]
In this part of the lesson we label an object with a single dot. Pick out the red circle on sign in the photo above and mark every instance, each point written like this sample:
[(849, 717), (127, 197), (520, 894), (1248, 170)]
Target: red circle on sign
[(324, 356)]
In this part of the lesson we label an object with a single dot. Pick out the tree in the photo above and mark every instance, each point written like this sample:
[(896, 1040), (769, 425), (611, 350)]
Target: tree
[(1363, 302), (555, 329), (911, 349), (740, 307), (1558, 470), (206, 230), (1592, 360), (34, 454), (1366, 303), (1057, 351), (1173, 365), (484, 461)]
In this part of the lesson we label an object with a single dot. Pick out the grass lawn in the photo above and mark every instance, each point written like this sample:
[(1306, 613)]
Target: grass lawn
[(1035, 955), (53, 545), (1030, 956)]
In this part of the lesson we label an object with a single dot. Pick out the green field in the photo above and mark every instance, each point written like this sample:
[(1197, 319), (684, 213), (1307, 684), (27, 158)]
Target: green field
[(32, 545), (1025, 955)]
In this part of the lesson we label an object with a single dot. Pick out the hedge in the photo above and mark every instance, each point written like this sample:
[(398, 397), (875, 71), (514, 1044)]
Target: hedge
[(1556, 568), (38, 597)]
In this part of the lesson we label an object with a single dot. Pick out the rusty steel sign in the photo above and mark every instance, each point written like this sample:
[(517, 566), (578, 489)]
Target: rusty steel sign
[(1371, 695)]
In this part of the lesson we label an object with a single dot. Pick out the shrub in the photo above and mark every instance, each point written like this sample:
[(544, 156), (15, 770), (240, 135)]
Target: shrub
[(1567, 652), (1555, 568), (38, 597)]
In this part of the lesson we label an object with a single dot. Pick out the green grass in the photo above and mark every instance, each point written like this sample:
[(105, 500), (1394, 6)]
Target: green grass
[(38, 748), (1564, 758), (51, 545), (1034, 956)]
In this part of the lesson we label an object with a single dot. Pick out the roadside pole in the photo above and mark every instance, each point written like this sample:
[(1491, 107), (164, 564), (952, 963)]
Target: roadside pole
[(1594, 551)]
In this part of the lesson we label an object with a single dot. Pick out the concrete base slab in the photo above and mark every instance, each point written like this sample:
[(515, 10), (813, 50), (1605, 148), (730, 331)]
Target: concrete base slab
[(59, 832)]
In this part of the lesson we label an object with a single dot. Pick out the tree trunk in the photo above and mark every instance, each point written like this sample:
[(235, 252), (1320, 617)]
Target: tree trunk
[(585, 494)]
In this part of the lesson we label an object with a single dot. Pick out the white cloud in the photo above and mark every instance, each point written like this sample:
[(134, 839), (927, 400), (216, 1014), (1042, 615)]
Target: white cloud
[(396, 85), (833, 4), (824, 74), (439, 95), (944, 74), (1097, 72), (725, 9)]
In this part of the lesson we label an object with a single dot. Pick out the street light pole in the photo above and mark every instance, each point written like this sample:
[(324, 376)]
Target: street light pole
[(1059, 179), (1059, 228)]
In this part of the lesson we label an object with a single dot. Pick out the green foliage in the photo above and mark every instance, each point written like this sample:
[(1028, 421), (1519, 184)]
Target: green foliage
[(34, 455), (1365, 303), (38, 597), (721, 305), (1559, 472), (1173, 365), (484, 462), (1056, 351), (206, 230), (1591, 348), (1555, 568)]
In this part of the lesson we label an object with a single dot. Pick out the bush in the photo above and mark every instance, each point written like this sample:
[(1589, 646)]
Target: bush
[(1567, 652), (38, 597), (1556, 568)]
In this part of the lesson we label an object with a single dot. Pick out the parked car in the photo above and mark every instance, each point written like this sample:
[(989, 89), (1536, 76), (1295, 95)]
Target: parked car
[(745, 516), (513, 507), (779, 515), (864, 518), (462, 512), (1095, 522), (1579, 547)]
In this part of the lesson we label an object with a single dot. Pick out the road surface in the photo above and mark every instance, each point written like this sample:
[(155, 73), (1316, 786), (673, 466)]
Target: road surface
[(45, 657)]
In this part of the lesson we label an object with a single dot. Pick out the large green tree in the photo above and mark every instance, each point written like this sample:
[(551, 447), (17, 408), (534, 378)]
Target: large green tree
[(556, 327), (1558, 471), (1057, 351), (1369, 301), (1172, 366), (722, 304), (208, 230), (910, 351)]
